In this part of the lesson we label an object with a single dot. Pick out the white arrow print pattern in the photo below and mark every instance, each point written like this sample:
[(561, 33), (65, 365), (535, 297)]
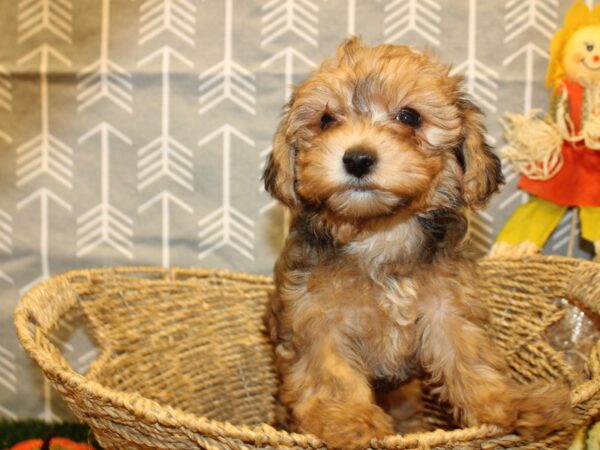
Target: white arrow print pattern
[(44, 153), (165, 156), (6, 240), (85, 361), (227, 80), (296, 16), (104, 78), (529, 50), (6, 230), (8, 368), (5, 90), (540, 15), (53, 15), (567, 232), (226, 226), (175, 16), (351, 17), (287, 55), (8, 377), (5, 98), (419, 16), (165, 199), (44, 195), (482, 231), (104, 223), (480, 79)]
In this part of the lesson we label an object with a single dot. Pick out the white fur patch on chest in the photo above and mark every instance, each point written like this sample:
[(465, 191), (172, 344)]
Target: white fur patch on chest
[(395, 244)]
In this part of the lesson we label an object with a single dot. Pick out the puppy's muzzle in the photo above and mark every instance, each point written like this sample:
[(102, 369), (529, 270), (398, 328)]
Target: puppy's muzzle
[(358, 162)]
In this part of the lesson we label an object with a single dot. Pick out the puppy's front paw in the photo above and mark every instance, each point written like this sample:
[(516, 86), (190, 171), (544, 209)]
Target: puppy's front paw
[(347, 426)]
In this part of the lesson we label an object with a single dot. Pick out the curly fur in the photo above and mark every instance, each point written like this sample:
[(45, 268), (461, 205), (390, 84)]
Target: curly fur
[(373, 283)]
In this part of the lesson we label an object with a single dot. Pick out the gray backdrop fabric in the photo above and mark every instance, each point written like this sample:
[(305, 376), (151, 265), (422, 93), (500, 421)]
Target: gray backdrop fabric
[(132, 132)]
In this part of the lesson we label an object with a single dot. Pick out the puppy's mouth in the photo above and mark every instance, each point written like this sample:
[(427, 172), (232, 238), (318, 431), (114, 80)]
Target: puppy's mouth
[(358, 202)]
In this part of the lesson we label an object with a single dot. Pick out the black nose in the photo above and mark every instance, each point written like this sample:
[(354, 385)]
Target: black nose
[(358, 162)]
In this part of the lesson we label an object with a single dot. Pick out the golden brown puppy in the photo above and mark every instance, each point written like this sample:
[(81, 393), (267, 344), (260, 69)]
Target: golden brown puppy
[(380, 156)]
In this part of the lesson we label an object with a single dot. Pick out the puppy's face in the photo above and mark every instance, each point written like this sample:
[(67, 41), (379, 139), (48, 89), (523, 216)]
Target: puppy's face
[(376, 131)]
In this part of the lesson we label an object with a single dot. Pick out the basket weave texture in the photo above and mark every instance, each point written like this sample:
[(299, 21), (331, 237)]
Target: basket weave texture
[(184, 361)]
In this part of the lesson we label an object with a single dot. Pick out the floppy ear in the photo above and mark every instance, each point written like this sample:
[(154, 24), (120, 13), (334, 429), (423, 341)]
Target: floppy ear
[(279, 172), (482, 169)]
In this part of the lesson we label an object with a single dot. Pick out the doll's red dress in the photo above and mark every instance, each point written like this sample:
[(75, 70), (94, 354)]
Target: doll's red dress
[(578, 181)]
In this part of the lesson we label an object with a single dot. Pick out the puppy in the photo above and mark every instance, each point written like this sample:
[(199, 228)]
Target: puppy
[(380, 157)]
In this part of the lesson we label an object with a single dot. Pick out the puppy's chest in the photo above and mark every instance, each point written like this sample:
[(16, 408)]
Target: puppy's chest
[(389, 344), (378, 317)]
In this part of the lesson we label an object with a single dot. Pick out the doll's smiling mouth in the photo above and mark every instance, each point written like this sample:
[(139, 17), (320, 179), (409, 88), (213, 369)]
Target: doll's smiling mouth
[(593, 69)]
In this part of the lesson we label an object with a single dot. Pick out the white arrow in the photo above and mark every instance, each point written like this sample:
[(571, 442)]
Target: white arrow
[(44, 153), (104, 78), (6, 240), (517, 196), (8, 377), (288, 54), (5, 98), (482, 231), (5, 89), (296, 16), (165, 156), (522, 15), (227, 80), (104, 223), (529, 50), (351, 17), (419, 16), (44, 196), (6, 231), (84, 361), (175, 16), (5, 137), (7, 413), (226, 226), (165, 198), (53, 15), (480, 79), (8, 370)]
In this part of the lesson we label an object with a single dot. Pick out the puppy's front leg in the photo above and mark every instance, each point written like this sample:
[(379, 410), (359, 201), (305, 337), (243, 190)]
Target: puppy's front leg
[(474, 378), (331, 398)]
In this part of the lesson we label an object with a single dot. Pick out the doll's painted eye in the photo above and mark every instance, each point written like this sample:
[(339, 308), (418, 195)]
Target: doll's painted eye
[(589, 46)]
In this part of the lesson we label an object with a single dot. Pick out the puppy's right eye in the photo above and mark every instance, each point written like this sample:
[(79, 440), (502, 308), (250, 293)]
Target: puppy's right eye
[(326, 121), (409, 117)]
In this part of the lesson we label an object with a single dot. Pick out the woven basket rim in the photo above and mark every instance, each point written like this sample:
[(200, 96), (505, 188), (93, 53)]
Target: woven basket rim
[(260, 434)]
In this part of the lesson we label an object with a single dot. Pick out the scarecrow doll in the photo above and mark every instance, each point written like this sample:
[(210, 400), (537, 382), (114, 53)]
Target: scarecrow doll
[(559, 155)]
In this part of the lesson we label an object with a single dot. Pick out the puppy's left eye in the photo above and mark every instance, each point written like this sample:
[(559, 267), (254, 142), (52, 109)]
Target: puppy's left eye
[(409, 117), (326, 120), (589, 46)]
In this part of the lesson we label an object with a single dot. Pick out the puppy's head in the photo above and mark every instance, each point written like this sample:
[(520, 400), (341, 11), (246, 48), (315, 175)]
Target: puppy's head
[(376, 131)]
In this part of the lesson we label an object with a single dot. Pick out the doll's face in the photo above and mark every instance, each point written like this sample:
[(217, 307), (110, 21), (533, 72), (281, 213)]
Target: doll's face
[(581, 55)]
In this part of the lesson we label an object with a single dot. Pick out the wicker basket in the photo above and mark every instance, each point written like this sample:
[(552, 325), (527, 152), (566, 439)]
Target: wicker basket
[(185, 364)]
